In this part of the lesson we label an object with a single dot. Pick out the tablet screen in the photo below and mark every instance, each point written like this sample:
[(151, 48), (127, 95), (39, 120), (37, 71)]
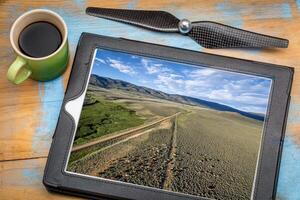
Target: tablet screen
[(171, 126)]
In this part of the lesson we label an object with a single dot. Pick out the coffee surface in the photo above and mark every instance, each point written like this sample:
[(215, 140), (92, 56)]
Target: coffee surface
[(39, 39)]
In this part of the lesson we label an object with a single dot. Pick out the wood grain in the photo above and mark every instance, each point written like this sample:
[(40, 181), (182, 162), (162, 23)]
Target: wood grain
[(21, 180), (29, 111)]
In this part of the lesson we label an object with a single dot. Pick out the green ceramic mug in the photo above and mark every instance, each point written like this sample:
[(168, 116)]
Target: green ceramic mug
[(42, 68)]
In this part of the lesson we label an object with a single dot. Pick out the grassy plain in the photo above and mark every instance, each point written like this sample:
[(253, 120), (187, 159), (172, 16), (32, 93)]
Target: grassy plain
[(216, 151)]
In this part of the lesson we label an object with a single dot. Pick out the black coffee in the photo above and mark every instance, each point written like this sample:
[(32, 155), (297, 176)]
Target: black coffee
[(39, 39)]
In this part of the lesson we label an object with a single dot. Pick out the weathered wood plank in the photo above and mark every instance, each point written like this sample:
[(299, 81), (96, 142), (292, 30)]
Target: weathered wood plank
[(22, 180), (29, 111)]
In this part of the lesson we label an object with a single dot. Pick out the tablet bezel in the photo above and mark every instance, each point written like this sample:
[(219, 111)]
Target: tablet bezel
[(57, 178)]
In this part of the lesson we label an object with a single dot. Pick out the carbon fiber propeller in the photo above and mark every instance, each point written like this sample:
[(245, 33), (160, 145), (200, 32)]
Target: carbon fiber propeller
[(207, 34)]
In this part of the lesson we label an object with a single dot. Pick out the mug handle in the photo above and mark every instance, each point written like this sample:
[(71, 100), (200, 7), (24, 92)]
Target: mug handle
[(17, 72)]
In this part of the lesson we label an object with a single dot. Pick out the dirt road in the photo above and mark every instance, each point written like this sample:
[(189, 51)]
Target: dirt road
[(152, 140), (123, 134), (186, 152)]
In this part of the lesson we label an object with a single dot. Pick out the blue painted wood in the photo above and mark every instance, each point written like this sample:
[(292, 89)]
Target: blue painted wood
[(51, 93)]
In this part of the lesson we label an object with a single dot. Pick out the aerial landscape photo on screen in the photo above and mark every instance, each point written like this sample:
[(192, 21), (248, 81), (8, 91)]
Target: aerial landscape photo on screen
[(171, 126)]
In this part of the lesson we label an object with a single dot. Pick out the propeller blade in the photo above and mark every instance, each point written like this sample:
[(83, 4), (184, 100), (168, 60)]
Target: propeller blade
[(154, 20), (216, 35)]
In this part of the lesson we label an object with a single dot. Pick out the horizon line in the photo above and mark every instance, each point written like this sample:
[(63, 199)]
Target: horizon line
[(264, 114)]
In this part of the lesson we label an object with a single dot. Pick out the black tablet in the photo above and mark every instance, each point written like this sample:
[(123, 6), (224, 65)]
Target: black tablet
[(144, 121)]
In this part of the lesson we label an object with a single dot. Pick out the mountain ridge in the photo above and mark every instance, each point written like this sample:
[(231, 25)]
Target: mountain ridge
[(109, 83)]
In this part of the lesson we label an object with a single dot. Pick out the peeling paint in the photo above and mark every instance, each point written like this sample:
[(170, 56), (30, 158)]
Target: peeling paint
[(51, 94), (298, 4), (80, 3), (31, 176), (233, 13), (236, 12), (289, 176), (294, 113), (132, 4)]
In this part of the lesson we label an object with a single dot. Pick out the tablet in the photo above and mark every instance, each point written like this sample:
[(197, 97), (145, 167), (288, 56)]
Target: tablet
[(143, 121)]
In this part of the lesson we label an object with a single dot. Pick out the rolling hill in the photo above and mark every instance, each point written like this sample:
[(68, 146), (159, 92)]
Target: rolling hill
[(109, 83)]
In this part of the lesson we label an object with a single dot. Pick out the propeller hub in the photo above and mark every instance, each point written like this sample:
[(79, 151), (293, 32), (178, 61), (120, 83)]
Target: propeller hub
[(184, 26)]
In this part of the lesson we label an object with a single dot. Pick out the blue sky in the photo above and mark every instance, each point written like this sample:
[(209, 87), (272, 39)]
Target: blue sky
[(244, 92)]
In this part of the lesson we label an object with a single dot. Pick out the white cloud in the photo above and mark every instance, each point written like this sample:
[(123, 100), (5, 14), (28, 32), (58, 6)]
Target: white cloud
[(100, 60), (246, 93), (154, 68), (220, 95), (253, 109), (195, 84), (201, 72), (168, 79), (232, 85), (248, 99), (150, 69), (121, 66), (172, 83)]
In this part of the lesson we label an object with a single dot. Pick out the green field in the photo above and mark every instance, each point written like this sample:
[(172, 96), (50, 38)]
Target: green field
[(100, 117)]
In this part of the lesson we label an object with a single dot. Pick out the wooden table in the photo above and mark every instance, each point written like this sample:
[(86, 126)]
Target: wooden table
[(29, 111)]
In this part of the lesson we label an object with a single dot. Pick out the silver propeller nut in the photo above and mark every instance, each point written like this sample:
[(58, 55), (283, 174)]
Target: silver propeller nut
[(184, 26)]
